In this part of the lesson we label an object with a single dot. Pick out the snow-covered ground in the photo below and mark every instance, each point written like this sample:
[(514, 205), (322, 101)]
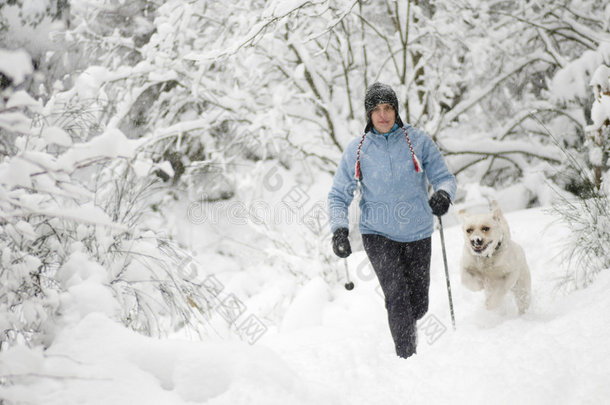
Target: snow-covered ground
[(333, 347)]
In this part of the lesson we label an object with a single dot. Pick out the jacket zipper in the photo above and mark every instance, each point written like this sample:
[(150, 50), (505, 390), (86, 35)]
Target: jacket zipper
[(387, 150)]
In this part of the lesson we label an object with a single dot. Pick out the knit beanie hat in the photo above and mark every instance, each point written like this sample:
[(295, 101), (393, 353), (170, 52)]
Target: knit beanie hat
[(376, 94), (379, 93)]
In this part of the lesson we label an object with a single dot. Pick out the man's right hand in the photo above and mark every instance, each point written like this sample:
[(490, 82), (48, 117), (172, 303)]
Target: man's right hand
[(341, 245)]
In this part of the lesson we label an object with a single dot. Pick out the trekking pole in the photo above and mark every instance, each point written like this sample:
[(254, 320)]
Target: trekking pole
[(440, 221), (348, 285)]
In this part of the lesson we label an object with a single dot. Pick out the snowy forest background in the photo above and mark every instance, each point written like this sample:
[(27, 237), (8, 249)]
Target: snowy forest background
[(122, 121)]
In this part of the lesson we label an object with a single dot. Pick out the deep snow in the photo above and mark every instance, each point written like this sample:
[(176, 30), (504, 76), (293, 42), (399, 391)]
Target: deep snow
[(334, 347)]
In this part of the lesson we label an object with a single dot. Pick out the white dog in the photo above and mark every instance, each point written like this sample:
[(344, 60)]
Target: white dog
[(491, 261)]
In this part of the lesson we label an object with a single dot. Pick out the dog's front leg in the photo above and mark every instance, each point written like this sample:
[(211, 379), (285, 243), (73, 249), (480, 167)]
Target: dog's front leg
[(493, 297), (497, 288), (522, 290), (471, 279)]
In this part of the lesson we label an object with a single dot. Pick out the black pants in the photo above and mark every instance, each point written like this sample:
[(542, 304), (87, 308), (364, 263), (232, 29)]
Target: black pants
[(403, 270)]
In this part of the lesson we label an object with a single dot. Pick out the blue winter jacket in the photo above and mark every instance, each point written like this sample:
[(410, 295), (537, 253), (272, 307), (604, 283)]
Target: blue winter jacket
[(394, 197)]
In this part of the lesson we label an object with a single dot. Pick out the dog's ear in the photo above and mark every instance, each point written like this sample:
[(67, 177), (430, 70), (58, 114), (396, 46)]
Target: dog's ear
[(496, 211), (499, 218), (463, 215)]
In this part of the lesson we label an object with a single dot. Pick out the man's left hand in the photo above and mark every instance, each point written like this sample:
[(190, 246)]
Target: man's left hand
[(439, 202)]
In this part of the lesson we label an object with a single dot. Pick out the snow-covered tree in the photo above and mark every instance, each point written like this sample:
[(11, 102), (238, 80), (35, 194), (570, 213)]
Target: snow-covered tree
[(492, 73), (71, 233), (526, 78), (598, 133), (589, 215)]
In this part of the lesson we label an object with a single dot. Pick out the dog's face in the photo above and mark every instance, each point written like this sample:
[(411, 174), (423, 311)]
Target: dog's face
[(483, 232)]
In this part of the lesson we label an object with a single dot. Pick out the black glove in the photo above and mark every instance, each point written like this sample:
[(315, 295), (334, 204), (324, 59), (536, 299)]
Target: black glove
[(439, 202), (341, 245)]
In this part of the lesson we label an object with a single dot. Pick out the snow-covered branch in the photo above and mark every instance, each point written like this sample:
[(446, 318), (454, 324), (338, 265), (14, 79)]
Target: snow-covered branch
[(465, 105)]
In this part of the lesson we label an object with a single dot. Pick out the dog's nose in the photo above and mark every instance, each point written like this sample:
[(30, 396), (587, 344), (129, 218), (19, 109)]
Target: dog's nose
[(476, 241)]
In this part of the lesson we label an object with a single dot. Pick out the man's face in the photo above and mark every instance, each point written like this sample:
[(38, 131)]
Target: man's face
[(383, 117)]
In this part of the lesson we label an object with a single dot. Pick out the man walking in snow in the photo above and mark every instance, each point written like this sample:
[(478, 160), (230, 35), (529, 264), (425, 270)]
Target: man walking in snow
[(391, 161)]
